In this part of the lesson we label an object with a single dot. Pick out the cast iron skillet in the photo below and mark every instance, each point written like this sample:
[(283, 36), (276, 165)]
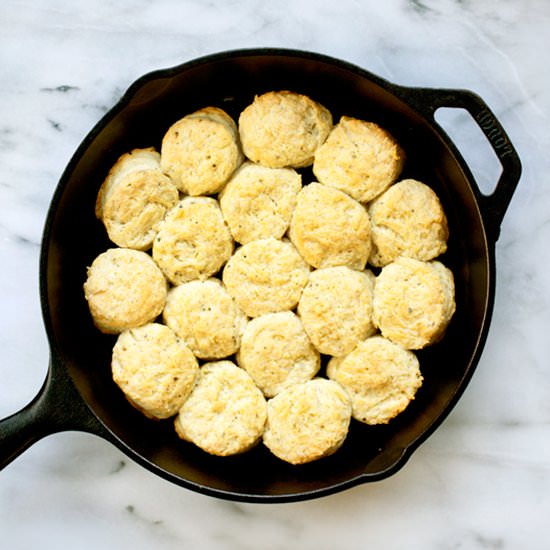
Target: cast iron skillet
[(78, 393)]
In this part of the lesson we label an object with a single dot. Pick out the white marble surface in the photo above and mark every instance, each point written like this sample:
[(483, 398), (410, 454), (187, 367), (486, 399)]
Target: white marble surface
[(483, 479)]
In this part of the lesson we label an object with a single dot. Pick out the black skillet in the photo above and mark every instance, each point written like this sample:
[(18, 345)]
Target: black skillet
[(78, 393)]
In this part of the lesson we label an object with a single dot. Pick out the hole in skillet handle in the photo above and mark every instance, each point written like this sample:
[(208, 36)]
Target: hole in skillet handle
[(493, 204), (474, 146)]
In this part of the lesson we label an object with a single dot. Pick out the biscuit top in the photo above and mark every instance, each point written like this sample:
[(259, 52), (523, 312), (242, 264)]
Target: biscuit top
[(155, 369), (266, 276), (136, 160), (215, 114), (283, 129), (201, 151), (360, 158), (193, 241), (225, 413), (381, 378), (134, 198), (277, 352), (124, 289), (329, 228), (307, 421), (258, 202), (336, 308), (413, 301), (205, 317), (407, 220)]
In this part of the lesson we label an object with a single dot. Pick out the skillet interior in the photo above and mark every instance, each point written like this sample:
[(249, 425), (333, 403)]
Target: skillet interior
[(73, 237)]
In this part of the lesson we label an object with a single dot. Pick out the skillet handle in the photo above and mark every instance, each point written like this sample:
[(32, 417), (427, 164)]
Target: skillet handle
[(494, 205), (57, 407)]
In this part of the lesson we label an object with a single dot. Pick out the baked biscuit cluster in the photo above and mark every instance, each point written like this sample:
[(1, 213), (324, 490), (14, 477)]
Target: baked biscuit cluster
[(251, 305)]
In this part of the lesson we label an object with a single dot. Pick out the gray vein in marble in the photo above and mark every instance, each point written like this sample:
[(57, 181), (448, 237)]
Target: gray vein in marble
[(471, 540), (118, 467), (18, 238), (8, 139), (487, 41), (420, 7), (243, 514), (63, 88), (155, 527), (55, 125)]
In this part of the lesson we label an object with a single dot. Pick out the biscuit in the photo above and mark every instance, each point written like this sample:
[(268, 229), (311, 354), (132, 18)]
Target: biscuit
[(266, 276), (205, 317), (307, 421), (134, 198), (360, 158), (381, 378), (193, 241), (336, 308), (125, 289), (283, 129), (154, 368), (258, 201), (413, 302), (407, 220), (277, 353), (201, 151), (225, 414), (329, 228)]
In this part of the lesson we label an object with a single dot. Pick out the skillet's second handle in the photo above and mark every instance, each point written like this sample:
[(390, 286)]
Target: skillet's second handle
[(494, 205), (57, 407)]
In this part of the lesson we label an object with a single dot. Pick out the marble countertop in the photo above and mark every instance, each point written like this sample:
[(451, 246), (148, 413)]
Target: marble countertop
[(482, 480)]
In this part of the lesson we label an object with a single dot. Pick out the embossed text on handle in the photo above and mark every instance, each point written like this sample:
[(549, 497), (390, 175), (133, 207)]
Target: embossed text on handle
[(500, 143)]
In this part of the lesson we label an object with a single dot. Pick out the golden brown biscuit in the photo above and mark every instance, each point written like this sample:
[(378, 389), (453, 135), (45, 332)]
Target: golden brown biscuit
[(266, 276), (381, 378), (277, 353), (407, 220), (413, 302), (193, 241), (360, 158), (283, 129), (124, 289), (336, 308), (258, 201), (225, 413), (154, 368), (134, 198), (201, 151), (329, 228), (205, 317), (307, 421)]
